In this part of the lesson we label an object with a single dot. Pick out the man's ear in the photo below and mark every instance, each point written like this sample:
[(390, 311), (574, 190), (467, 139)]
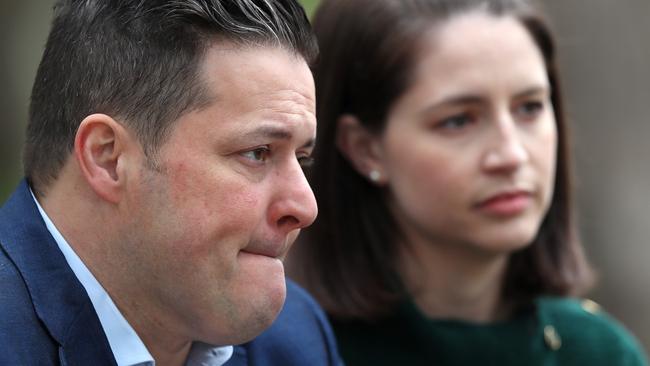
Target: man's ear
[(99, 147), (361, 147)]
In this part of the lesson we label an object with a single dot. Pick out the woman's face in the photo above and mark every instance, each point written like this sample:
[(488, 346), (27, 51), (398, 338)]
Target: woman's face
[(468, 154)]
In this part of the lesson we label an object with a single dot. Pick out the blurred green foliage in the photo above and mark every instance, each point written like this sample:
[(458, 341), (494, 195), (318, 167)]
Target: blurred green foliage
[(310, 6)]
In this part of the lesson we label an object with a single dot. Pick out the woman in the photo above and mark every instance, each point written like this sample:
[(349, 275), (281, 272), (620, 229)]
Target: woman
[(446, 234)]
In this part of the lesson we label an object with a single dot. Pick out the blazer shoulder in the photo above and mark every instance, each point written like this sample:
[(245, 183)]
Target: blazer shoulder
[(21, 331), (46, 317), (587, 332)]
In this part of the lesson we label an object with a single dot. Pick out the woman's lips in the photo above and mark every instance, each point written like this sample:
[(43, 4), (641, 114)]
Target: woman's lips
[(506, 204)]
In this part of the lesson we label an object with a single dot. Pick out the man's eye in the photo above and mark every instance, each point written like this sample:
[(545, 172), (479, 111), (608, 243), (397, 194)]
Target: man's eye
[(259, 155), (306, 161)]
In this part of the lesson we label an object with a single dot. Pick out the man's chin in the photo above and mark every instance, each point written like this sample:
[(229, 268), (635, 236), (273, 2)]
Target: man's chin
[(265, 316), (260, 298), (251, 315)]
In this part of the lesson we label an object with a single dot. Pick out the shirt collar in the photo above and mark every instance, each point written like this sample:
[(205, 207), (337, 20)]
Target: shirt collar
[(128, 349)]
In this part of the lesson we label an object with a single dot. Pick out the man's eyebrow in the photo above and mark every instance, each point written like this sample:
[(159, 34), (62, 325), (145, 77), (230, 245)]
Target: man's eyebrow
[(311, 143), (276, 133)]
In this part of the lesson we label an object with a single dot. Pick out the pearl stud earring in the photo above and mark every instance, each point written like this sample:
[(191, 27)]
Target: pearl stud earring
[(374, 175)]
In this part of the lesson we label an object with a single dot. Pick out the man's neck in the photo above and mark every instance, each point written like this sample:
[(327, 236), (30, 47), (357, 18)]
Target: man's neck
[(165, 345), (172, 355)]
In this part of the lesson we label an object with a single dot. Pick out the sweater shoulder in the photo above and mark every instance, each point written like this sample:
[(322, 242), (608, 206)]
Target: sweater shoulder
[(586, 332)]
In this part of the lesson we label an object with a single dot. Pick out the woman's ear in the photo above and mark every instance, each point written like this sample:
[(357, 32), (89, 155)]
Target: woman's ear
[(361, 147)]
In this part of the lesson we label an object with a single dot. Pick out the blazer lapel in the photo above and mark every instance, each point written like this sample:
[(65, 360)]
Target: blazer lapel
[(59, 298)]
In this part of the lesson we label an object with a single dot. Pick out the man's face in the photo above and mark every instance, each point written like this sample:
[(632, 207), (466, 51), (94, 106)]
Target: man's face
[(209, 225)]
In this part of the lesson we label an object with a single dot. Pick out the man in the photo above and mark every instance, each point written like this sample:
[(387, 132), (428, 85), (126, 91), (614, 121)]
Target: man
[(163, 187)]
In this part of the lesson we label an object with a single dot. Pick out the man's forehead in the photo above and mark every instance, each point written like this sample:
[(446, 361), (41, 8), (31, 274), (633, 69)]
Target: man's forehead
[(258, 69)]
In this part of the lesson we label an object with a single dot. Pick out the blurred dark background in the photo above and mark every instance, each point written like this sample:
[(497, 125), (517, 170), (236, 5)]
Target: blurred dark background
[(605, 62)]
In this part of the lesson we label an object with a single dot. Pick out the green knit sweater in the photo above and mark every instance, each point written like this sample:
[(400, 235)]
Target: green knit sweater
[(558, 331)]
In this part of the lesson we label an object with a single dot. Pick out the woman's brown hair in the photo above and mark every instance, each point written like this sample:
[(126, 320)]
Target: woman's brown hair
[(347, 259)]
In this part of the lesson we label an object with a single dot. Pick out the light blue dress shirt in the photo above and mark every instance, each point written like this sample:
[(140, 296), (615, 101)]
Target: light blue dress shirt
[(127, 347)]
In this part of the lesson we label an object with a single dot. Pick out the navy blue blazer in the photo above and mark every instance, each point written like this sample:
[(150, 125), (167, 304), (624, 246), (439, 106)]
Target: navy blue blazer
[(46, 317)]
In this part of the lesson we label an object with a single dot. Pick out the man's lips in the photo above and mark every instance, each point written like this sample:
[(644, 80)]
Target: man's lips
[(506, 203), (267, 250)]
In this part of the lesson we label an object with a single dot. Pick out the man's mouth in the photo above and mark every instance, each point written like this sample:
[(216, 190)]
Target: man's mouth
[(273, 250)]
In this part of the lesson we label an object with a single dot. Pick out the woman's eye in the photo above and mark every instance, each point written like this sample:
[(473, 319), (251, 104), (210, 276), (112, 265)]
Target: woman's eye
[(529, 110), (454, 122), (259, 155)]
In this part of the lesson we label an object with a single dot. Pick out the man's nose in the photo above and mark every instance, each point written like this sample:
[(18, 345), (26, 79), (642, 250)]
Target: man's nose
[(295, 205)]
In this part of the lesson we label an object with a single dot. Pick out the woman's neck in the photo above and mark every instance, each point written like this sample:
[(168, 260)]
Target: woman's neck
[(454, 281)]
